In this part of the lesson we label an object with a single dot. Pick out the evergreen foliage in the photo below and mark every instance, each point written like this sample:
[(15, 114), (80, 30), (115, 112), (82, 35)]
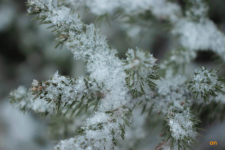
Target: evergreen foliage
[(114, 88)]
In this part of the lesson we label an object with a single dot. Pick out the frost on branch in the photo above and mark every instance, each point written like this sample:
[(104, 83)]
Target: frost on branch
[(108, 122), (23, 100), (61, 91), (113, 86), (197, 10), (58, 94), (20, 97), (180, 128), (141, 70), (181, 125), (197, 32), (200, 36), (99, 133), (205, 83), (190, 23), (194, 29), (83, 40), (136, 132), (101, 7), (172, 93)]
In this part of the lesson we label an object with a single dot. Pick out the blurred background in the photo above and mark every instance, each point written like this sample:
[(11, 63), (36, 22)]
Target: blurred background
[(27, 52)]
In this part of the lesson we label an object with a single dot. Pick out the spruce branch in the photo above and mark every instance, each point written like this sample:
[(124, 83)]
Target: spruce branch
[(85, 42), (205, 83), (141, 71), (22, 98), (189, 22), (180, 129), (212, 111), (171, 93), (60, 94), (114, 87), (99, 133), (68, 94)]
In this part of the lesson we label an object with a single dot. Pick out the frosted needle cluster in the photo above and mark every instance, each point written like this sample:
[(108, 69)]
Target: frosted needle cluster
[(114, 88)]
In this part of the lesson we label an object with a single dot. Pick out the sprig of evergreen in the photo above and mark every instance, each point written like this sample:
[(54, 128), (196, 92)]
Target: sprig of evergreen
[(114, 87)]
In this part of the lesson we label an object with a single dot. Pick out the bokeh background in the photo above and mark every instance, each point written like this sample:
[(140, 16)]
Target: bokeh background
[(27, 52)]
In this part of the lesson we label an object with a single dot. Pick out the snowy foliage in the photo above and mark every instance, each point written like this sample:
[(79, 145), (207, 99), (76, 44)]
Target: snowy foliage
[(195, 30), (140, 68), (114, 88), (100, 7), (202, 35), (23, 99), (171, 94), (181, 125), (60, 91), (205, 82)]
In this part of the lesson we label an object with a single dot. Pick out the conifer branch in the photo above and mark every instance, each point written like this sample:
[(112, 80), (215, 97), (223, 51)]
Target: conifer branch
[(115, 87)]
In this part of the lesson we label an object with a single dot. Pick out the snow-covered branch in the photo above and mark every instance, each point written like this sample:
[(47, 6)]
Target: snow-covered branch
[(113, 86)]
